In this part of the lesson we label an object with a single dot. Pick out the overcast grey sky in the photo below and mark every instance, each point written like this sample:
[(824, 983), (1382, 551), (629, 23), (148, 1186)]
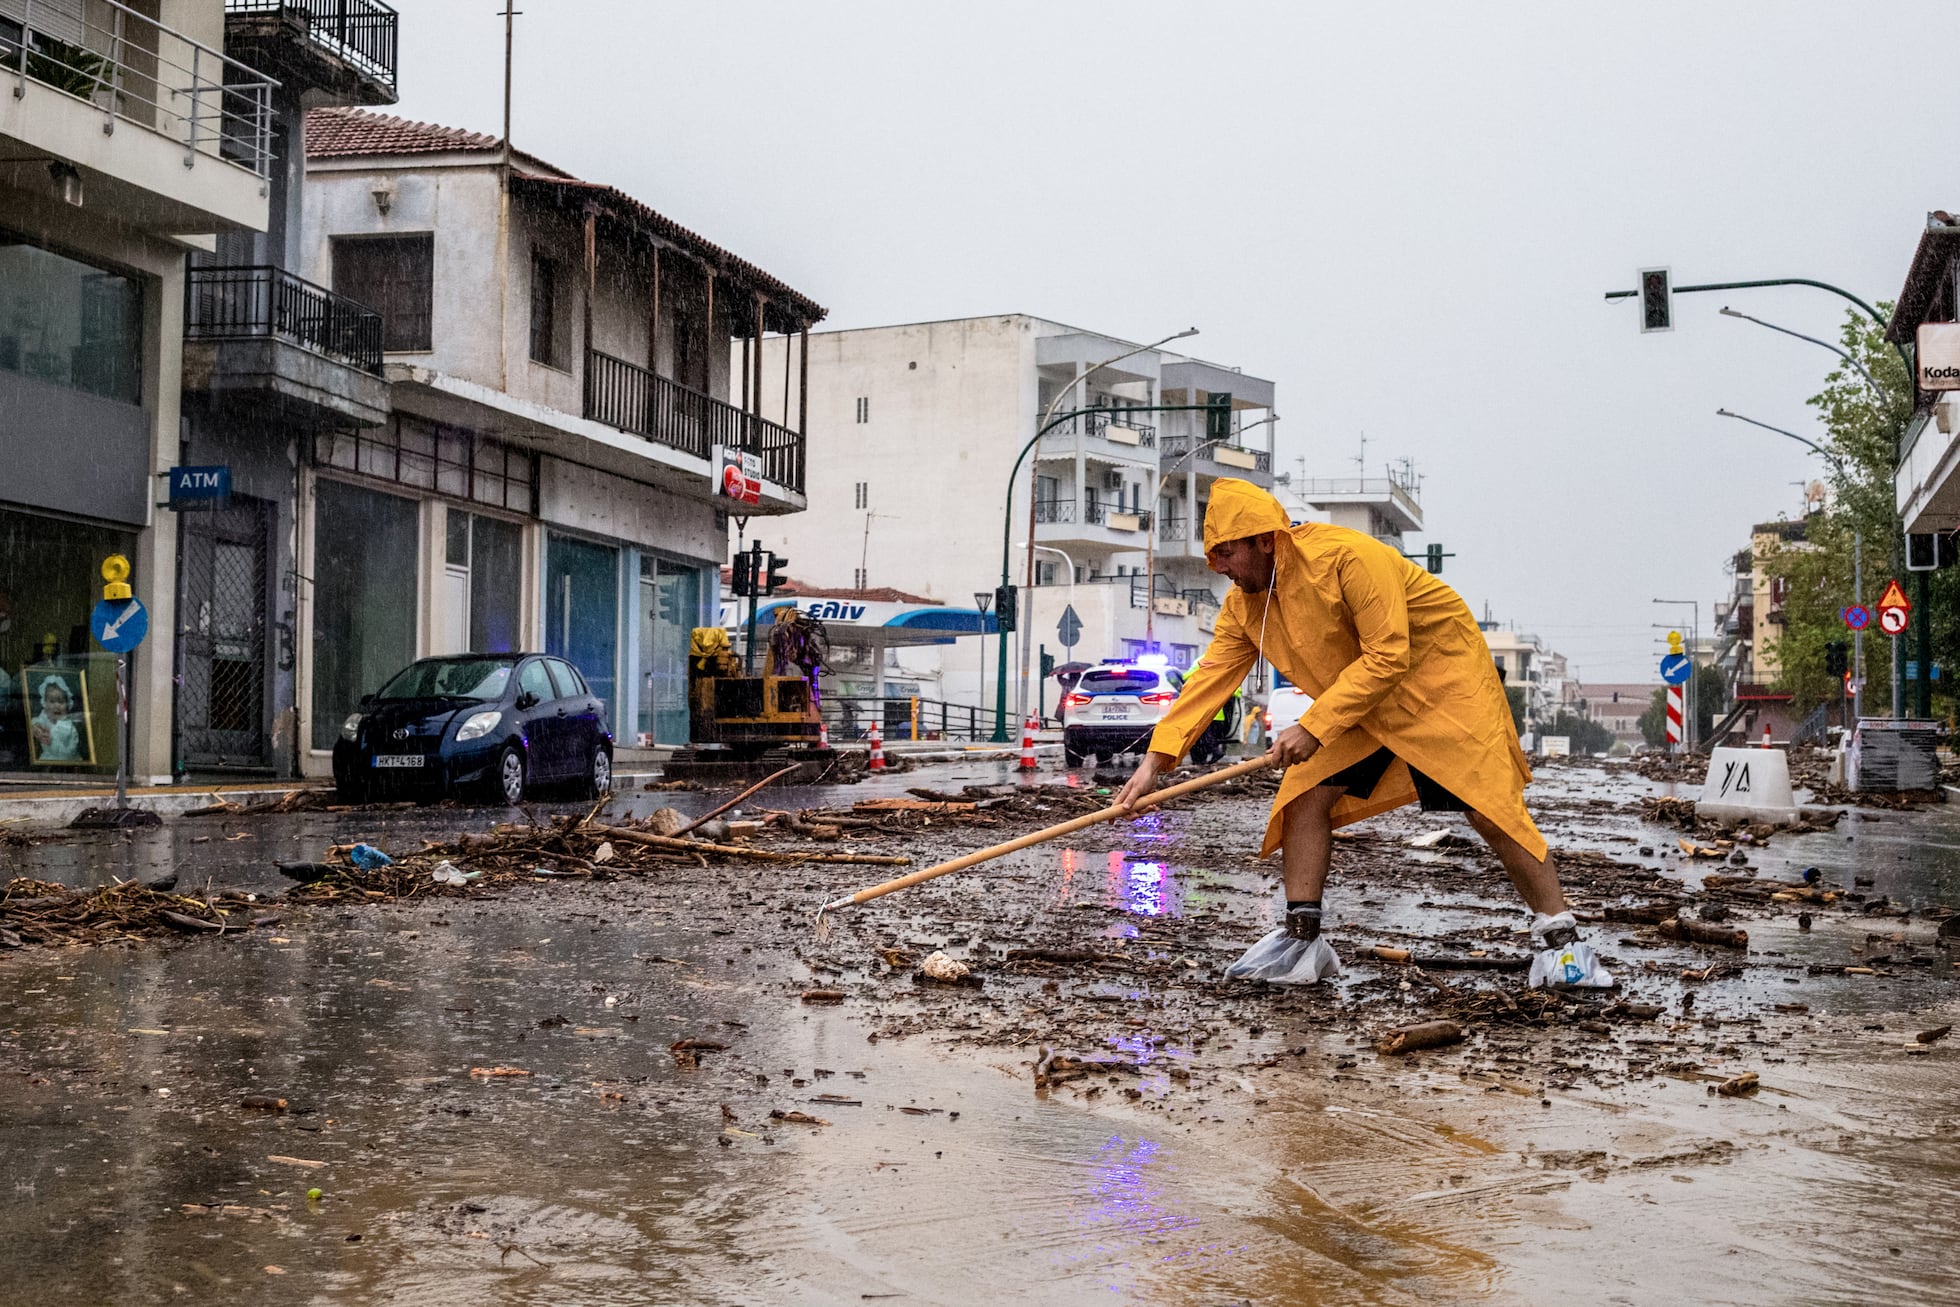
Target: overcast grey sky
[(1403, 214)]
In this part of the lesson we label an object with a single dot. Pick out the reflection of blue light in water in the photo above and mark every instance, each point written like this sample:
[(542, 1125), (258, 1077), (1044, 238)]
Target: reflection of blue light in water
[(1145, 894), (1124, 1213), (1149, 826)]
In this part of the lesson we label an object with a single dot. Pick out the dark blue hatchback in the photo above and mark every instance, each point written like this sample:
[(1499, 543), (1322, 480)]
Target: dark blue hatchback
[(495, 724)]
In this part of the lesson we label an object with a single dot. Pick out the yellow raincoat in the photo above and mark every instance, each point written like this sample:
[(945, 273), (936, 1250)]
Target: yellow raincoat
[(1392, 657)]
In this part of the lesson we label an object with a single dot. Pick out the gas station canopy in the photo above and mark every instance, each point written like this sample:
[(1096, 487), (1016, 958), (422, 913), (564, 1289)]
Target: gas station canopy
[(874, 623)]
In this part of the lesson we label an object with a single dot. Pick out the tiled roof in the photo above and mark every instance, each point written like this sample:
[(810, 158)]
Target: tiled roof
[(349, 133), (333, 133)]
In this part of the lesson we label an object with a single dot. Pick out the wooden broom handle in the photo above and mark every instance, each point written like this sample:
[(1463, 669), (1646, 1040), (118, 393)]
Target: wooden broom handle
[(1069, 827)]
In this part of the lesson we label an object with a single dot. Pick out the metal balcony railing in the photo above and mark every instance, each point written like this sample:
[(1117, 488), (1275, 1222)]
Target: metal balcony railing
[(360, 33), (1176, 448), (133, 68), (1054, 510), (1098, 423), (1171, 527), (234, 303), (644, 403)]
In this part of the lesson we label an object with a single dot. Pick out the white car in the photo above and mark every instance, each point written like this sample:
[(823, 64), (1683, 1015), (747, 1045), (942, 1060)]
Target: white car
[(1114, 707), (1287, 706)]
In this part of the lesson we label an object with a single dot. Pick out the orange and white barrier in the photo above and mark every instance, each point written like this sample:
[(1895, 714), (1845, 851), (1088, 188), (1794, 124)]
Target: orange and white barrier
[(877, 746), (1027, 745)]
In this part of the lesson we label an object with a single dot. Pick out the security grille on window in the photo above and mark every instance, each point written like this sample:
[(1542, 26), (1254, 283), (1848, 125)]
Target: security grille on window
[(394, 276), (864, 409), (412, 452)]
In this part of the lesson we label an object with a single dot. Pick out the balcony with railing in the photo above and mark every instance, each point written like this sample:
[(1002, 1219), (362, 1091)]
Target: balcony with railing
[(128, 67), (1213, 458), (644, 403), (1103, 433), (1393, 499), (260, 328), (346, 48)]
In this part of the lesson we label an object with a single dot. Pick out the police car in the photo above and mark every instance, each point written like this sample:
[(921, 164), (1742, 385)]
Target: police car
[(1115, 706)]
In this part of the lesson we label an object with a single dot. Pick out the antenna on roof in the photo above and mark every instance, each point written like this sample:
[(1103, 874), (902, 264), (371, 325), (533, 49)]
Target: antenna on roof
[(510, 12)]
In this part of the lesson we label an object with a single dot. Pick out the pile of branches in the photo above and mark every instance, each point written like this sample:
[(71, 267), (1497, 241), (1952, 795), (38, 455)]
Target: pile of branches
[(567, 847), (42, 912), (1681, 814)]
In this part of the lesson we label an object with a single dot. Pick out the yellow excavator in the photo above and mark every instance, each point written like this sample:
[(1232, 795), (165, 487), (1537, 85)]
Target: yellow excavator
[(741, 725)]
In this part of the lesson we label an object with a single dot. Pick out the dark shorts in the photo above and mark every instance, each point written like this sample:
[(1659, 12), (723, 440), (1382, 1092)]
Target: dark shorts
[(1361, 779)]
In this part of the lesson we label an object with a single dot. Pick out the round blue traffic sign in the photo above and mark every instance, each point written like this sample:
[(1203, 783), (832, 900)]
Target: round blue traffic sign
[(1857, 617), (1675, 669), (119, 625)]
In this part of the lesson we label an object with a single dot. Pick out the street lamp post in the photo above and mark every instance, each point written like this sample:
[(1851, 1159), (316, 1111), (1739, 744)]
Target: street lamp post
[(1048, 419), (982, 601), (1728, 312)]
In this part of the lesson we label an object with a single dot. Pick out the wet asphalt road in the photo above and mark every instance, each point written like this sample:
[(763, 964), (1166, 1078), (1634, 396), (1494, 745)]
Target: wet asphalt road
[(613, 1174)]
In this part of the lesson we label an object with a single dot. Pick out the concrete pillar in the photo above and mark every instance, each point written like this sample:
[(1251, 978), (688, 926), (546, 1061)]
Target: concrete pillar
[(152, 668)]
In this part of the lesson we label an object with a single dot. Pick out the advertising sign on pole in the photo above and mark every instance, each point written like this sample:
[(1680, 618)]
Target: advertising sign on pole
[(738, 474)]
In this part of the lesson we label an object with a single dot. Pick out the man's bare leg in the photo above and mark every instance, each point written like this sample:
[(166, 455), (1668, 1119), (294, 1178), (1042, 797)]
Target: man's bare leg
[(1535, 878), (1307, 842)]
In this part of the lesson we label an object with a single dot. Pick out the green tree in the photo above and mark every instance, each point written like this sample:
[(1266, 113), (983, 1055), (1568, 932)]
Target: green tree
[(1587, 736), (1861, 432), (1653, 722), (1515, 694)]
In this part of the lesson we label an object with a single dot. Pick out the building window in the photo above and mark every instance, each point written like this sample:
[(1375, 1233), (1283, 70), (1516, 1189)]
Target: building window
[(394, 276), (863, 495), (483, 576), (550, 323), (70, 323), (1044, 573), (863, 409)]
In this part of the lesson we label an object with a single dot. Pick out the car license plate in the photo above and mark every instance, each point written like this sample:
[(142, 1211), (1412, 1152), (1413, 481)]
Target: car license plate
[(398, 760), (1115, 711)]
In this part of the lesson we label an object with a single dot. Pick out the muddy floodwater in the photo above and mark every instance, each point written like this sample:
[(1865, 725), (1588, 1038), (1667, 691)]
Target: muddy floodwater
[(479, 1098)]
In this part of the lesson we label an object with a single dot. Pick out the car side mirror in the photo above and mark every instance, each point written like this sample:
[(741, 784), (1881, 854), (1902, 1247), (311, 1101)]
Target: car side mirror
[(526, 700), (367, 700)]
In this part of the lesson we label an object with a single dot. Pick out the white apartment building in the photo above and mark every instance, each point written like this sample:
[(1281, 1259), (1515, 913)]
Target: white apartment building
[(1385, 507), (128, 140), (920, 428), (1527, 661)]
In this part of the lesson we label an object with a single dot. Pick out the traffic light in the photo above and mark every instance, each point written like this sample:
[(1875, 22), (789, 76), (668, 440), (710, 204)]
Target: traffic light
[(1004, 607), (1435, 560), (742, 582), (1930, 552), (1656, 301), (1218, 417), (774, 579), (1047, 664), (1836, 661)]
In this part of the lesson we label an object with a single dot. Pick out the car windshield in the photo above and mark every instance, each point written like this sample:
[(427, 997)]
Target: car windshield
[(451, 678), (1117, 680)]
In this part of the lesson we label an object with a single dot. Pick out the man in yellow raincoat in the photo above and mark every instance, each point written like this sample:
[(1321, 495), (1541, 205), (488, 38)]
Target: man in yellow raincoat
[(1407, 705)]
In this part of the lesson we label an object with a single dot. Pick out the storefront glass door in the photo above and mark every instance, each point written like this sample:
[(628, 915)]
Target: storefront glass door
[(581, 613), (363, 598), (670, 609)]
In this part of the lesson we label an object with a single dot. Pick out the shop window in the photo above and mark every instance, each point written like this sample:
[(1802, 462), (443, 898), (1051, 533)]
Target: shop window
[(70, 323), (394, 276), (57, 689), (670, 609), (363, 598)]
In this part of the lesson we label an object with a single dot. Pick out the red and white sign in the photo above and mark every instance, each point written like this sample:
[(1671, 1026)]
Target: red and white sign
[(738, 475), (1675, 717), (1894, 610)]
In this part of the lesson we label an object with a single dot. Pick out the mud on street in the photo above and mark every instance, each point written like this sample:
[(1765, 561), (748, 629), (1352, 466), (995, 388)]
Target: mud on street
[(640, 1075)]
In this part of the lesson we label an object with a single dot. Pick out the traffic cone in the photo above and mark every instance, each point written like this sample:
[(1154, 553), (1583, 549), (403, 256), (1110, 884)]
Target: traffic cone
[(1766, 743), (877, 746), (823, 736), (1027, 746)]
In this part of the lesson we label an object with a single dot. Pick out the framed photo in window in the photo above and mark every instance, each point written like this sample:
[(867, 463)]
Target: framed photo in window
[(60, 732)]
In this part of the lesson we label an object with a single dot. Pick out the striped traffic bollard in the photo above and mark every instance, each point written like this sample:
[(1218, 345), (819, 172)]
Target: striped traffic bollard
[(1027, 745), (823, 736), (1675, 733), (877, 746)]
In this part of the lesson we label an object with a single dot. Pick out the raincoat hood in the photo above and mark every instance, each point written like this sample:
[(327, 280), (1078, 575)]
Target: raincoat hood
[(1239, 509)]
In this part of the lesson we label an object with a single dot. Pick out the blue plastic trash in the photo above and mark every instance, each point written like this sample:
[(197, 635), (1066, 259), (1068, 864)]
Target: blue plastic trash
[(367, 857)]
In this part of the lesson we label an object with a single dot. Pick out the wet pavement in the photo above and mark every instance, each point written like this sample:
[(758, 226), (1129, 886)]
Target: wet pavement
[(1259, 1151)]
